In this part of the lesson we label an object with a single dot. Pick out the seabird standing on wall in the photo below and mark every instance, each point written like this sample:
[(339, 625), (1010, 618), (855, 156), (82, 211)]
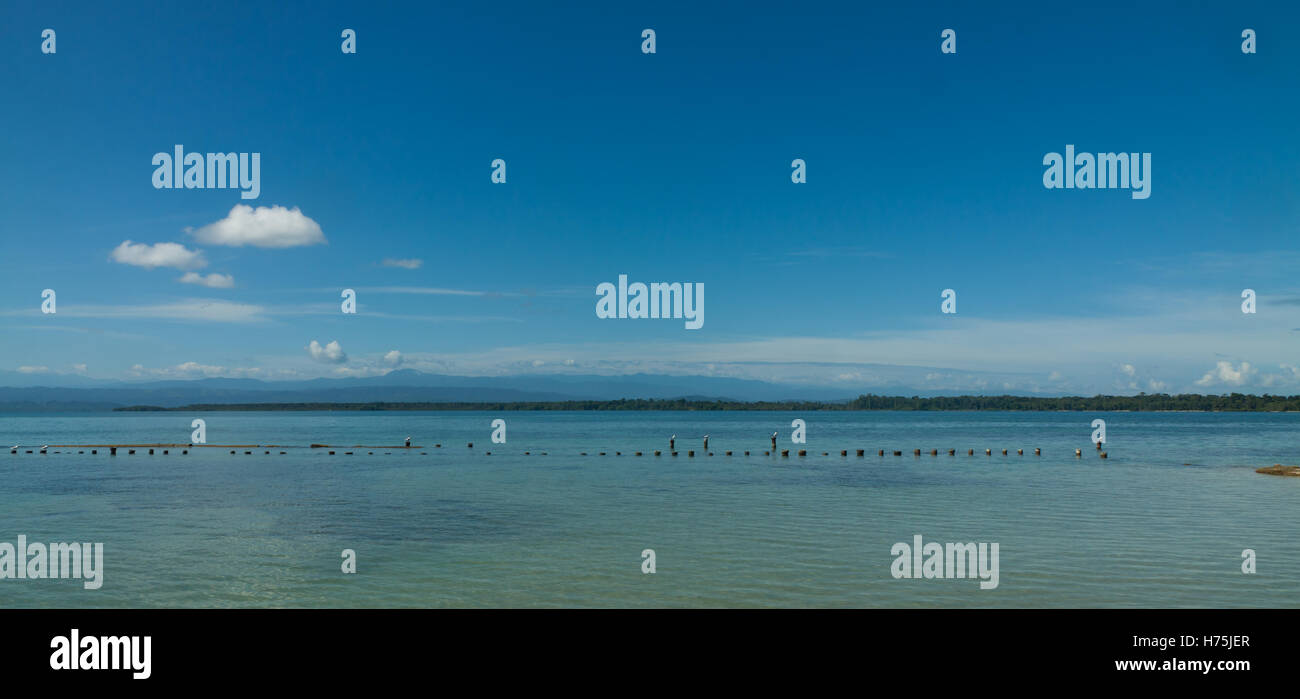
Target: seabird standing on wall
[(408, 442)]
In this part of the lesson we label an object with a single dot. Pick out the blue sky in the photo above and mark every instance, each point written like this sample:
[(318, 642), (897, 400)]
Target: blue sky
[(924, 172)]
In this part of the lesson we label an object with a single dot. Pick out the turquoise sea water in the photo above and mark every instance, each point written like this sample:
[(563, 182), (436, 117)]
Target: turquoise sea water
[(1161, 523)]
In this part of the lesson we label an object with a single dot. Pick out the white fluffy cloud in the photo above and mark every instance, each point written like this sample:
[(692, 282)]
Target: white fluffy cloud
[(393, 358), (212, 281), (1223, 372), (33, 370), (172, 255), (263, 227), (331, 354), (413, 263)]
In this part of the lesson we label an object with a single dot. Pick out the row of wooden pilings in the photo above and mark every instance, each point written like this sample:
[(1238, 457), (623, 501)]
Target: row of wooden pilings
[(1078, 453)]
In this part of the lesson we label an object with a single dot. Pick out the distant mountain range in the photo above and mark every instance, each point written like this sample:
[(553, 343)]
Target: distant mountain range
[(63, 393), (67, 393)]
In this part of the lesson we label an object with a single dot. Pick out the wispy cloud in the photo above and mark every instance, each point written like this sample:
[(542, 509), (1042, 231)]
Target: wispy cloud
[(428, 291), (195, 370), (442, 318), (412, 263), (360, 372), (212, 281), (190, 310)]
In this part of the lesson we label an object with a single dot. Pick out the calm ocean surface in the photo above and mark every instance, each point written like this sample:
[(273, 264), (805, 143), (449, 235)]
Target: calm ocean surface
[(1161, 523)]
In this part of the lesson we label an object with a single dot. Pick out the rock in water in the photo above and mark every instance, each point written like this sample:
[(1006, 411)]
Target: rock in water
[(1279, 470)]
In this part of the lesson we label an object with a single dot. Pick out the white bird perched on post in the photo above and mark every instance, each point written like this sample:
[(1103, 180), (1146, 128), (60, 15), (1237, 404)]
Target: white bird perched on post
[(672, 442), (408, 442)]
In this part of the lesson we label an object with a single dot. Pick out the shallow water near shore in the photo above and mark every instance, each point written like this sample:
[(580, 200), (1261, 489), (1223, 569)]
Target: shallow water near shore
[(1161, 523)]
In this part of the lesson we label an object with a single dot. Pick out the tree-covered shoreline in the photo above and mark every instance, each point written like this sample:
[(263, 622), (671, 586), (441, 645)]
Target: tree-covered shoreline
[(1156, 402)]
